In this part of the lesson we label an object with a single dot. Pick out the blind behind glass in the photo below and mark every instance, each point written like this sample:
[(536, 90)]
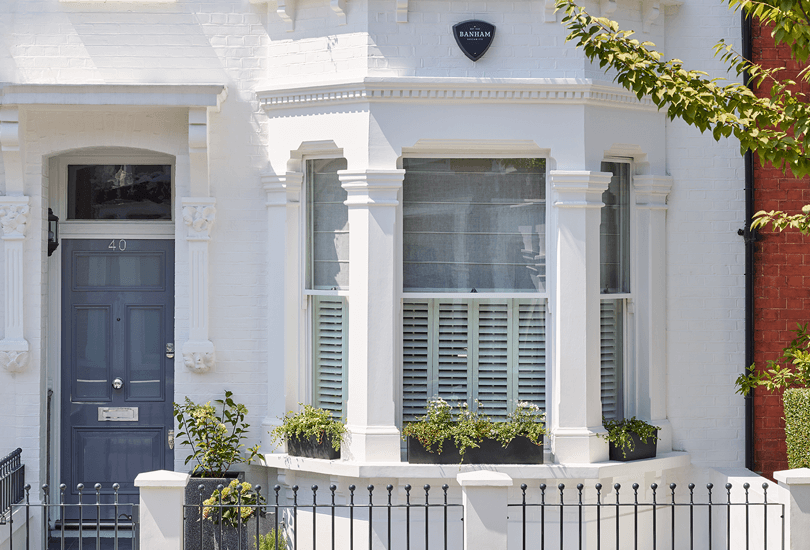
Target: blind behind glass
[(328, 221), (474, 224), (614, 231)]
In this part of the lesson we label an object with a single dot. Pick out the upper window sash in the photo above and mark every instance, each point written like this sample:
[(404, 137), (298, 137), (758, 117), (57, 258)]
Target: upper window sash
[(614, 231), (327, 222)]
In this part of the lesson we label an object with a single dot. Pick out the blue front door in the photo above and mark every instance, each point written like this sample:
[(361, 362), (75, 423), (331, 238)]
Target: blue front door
[(117, 363)]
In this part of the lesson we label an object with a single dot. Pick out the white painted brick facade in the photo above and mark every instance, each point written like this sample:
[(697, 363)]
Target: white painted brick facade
[(246, 47)]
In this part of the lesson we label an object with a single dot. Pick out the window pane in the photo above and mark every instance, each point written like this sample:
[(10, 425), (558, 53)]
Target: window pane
[(614, 231), (474, 224), (120, 192), (328, 221), (612, 327)]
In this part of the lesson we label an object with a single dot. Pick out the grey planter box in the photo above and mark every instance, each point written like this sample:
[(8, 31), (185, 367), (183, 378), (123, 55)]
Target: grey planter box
[(641, 449)]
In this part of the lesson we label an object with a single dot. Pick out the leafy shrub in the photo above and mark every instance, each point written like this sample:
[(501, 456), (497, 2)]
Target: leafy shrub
[(618, 432), (237, 499), (268, 541), (467, 428), (797, 426), (310, 422), (215, 439)]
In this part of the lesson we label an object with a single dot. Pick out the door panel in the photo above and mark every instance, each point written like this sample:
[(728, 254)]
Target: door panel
[(118, 317)]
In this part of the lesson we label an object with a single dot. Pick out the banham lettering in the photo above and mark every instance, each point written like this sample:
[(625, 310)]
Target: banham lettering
[(474, 37)]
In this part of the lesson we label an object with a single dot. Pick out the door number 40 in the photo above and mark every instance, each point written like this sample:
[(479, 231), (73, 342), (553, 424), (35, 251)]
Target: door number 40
[(118, 245)]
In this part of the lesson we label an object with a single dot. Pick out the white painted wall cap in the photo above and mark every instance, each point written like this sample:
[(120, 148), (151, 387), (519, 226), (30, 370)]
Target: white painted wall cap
[(484, 478), (799, 476), (162, 478)]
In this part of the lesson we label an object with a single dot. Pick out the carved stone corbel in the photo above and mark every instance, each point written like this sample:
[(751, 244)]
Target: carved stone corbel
[(198, 215), (607, 7), (339, 7), (402, 11), (549, 11), (651, 9), (286, 10), (14, 347)]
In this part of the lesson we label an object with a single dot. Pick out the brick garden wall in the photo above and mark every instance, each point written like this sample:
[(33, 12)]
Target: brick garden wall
[(782, 277)]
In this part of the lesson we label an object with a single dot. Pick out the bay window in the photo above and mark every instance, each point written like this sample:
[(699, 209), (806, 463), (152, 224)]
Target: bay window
[(615, 285), (327, 276), (474, 281)]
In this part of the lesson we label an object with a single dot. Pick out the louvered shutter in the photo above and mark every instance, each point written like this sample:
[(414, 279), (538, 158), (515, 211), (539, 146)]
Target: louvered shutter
[(532, 353), (493, 357), (450, 377), (612, 347), (416, 358), (330, 335)]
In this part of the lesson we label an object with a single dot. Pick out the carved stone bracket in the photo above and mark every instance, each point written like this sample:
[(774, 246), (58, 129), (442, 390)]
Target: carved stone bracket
[(402, 11), (339, 7), (13, 219), (285, 9), (607, 7), (651, 9), (199, 214), (549, 11)]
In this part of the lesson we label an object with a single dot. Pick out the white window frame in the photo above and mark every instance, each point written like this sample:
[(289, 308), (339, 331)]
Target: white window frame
[(629, 354), (544, 296)]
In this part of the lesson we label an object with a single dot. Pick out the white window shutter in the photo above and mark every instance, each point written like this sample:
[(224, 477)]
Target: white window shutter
[(330, 335), (451, 375), (416, 358), (612, 346), (532, 353), (494, 357)]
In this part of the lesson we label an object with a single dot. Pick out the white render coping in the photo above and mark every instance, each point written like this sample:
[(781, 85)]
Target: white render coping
[(454, 90), (799, 476), (152, 95), (162, 478), (484, 478), (405, 470)]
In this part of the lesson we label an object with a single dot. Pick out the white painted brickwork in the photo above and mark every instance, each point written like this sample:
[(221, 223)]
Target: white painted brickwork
[(246, 47)]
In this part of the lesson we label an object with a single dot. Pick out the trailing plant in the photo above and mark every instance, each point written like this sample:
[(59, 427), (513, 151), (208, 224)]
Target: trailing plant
[(272, 541), (790, 370), (310, 422), (216, 439), (467, 428), (235, 501), (619, 432), (797, 426)]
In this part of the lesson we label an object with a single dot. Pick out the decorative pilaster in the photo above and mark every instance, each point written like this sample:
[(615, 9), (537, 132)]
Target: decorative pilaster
[(577, 403), (283, 295), (13, 218), (651, 292), (198, 216), (373, 312)]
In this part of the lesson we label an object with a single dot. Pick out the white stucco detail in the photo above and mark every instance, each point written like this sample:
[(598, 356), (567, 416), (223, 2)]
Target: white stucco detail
[(14, 214), (402, 11)]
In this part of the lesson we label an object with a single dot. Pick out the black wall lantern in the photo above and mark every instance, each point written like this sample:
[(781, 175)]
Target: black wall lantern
[(53, 232)]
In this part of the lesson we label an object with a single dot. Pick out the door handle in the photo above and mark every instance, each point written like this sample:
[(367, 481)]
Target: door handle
[(117, 384), (171, 439)]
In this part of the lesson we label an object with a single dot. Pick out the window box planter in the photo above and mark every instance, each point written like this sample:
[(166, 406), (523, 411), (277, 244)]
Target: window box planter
[(312, 447), (641, 449), (490, 451)]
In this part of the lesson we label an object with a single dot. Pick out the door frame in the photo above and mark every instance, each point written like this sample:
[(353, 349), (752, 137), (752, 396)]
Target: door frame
[(146, 229)]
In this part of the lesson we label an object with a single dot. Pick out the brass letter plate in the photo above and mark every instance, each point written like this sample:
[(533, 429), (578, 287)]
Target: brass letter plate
[(118, 414)]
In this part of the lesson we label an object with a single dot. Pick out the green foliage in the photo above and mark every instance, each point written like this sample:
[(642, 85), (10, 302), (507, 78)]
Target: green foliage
[(215, 439), (269, 542), (790, 370), (467, 428), (235, 500), (781, 220), (310, 422), (618, 432), (797, 426), (776, 127)]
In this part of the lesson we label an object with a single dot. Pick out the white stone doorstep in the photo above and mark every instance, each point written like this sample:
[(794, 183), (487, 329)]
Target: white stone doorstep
[(405, 471)]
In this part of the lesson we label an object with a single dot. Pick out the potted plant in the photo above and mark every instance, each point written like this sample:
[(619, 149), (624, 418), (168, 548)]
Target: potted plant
[(312, 433), (229, 511), (445, 437), (215, 435), (630, 439)]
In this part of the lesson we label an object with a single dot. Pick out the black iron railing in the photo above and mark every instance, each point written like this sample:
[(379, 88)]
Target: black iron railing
[(383, 521), (84, 525), (12, 481), (665, 521)]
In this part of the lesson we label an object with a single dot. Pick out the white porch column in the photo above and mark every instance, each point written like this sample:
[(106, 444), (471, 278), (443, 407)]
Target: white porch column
[(651, 289), (577, 403), (162, 495), (14, 347), (371, 413), (283, 295), (198, 215)]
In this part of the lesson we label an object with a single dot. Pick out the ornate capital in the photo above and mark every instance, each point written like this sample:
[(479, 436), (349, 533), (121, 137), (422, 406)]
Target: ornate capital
[(199, 215), (13, 216), (14, 355), (199, 357), (579, 189)]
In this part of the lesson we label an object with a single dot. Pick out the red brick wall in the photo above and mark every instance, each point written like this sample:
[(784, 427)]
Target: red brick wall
[(781, 277)]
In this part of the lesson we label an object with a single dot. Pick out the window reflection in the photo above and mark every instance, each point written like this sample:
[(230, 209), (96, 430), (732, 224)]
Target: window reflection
[(120, 192)]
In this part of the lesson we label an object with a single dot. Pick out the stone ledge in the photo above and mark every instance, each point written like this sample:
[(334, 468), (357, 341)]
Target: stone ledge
[(404, 470)]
